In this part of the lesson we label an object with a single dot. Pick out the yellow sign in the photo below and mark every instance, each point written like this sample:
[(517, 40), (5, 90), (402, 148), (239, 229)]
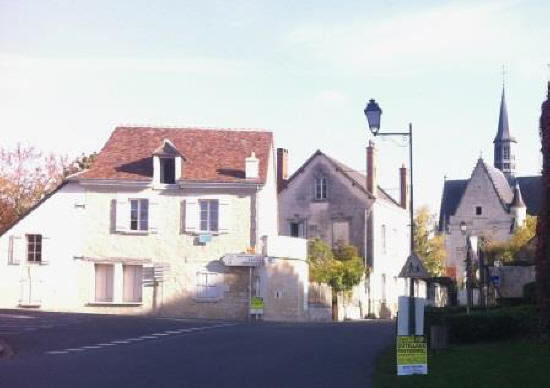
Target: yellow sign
[(256, 305), (412, 355)]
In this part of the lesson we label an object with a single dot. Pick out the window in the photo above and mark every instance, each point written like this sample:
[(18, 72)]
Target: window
[(139, 214), (340, 232), (497, 151), (34, 248), (295, 229), (104, 279), (383, 238), (168, 170), (321, 188), (479, 210), (132, 283), (506, 152), (209, 215), (207, 285)]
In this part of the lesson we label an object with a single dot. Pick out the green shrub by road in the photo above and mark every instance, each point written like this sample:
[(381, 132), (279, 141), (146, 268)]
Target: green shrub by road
[(518, 363)]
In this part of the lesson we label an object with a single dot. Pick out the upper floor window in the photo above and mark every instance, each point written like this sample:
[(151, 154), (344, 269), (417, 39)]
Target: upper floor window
[(321, 188), (168, 170), (506, 152), (479, 210), (209, 215), (34, 248), (139, 214)]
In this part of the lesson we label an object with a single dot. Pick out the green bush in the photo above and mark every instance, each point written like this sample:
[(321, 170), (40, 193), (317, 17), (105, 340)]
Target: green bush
[(529, 293), (485, 325)]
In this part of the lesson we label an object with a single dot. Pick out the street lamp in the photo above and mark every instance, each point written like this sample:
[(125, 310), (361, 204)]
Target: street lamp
[(469, 298), (373, 114)]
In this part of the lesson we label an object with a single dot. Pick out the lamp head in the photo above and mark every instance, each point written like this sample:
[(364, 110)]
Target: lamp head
[(463, 227), (373, 113)]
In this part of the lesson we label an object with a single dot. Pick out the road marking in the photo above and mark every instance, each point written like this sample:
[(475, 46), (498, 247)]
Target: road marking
[(136, 339)]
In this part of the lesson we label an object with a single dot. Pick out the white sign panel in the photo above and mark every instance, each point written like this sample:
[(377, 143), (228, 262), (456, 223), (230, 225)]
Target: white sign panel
[(242, 260), (403, 316)]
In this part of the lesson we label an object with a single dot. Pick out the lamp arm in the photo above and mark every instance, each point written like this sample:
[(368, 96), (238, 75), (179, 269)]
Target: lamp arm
[(393, 134)]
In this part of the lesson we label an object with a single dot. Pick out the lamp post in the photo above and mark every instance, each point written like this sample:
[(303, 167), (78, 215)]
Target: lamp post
[(464, 230), (373, 114)]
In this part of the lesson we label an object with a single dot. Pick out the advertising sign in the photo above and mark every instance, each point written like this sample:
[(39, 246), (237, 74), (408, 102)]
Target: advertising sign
[(256, 305), (412, 355)]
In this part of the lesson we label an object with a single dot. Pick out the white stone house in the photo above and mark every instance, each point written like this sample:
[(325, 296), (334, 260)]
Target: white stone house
[(148, 226), (326, 199), (491, 204)]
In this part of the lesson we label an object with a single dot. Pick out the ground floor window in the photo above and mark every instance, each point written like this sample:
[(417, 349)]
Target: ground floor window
[(132, 283), (207, 285), (104, 279)]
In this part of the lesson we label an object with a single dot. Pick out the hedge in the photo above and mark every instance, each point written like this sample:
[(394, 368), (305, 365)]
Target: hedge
[(485, 325)]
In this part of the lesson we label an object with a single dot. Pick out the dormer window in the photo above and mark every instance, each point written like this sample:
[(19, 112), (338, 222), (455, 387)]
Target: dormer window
[(168, 170), (321, 188), (167, 164)]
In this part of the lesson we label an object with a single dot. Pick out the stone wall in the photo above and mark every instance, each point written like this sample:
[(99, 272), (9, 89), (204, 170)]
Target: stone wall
[(512, 279)]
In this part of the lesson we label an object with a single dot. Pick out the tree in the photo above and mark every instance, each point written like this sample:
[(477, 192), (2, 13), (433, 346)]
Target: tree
[(428, 246), (341, 267), (507, 251), (26, 176)]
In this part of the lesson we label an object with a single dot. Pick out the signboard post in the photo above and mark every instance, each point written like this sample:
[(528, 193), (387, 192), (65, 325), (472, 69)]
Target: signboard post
[(411, 348)]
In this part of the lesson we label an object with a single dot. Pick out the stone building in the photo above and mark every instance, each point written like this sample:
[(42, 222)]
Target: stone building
[(326, 199), (181, 221), (491, 203)]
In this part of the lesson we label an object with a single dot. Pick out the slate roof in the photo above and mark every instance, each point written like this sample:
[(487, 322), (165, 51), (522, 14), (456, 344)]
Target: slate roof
[(503, 130), (211, 155), (453, 190)]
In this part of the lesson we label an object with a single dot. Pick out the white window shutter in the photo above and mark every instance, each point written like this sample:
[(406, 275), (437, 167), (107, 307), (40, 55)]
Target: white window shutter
[(182, 217), (46, 250), (122, 215), (192, 215), (224, 215), (16, 250), (154, 216)]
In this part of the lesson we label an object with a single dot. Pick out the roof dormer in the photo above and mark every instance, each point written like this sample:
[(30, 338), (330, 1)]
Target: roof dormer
[(167, 164)]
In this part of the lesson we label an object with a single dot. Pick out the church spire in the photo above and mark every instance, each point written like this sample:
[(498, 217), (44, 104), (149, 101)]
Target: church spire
[(504, 143)]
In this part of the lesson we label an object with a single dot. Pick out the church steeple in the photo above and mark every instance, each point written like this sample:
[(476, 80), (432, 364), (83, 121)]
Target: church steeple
[(504, 143)]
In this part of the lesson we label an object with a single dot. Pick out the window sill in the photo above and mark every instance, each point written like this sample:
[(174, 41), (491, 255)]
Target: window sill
[(114, 304), (319, 200), (135, 232), (166, 186)]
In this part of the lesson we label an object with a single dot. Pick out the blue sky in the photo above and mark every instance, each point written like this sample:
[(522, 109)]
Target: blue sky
[(70, 71)]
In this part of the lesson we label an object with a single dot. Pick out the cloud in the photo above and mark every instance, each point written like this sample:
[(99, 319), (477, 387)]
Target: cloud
[(414, 40)]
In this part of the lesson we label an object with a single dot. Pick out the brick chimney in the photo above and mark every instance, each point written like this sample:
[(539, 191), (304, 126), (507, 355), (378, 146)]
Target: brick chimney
[(282, 168), (372, 169), (403, 187)]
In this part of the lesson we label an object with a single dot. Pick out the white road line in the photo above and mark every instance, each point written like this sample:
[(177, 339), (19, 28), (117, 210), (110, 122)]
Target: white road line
[(136, 339)]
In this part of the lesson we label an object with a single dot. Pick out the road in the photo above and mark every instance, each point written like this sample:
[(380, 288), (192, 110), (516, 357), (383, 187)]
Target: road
[(81, 350)]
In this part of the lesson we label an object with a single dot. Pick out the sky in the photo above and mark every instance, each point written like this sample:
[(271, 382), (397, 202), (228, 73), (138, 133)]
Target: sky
[(71, 71)]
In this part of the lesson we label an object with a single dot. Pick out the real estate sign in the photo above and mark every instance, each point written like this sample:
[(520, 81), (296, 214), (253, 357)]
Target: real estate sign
[(412, 355)]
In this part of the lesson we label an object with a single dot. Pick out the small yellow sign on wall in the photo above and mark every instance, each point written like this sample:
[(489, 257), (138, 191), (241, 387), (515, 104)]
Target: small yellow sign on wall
[(412, 355)]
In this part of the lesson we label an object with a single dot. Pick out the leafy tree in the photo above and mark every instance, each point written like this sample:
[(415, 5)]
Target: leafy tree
[(341, 267), (428, 246), (81, 163), (507, 250), (26, 175)]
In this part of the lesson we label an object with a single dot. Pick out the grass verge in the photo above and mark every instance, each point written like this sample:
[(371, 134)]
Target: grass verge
[(515, 363)]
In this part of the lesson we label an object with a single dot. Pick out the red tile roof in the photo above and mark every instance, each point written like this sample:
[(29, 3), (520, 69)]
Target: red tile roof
[(211, 155)]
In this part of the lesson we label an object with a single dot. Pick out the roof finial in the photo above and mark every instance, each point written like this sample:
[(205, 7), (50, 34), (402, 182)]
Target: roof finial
[(481, 154), (503, 76)]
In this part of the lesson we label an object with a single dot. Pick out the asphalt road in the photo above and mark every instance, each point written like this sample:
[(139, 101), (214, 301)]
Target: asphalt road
[(80, 350)]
